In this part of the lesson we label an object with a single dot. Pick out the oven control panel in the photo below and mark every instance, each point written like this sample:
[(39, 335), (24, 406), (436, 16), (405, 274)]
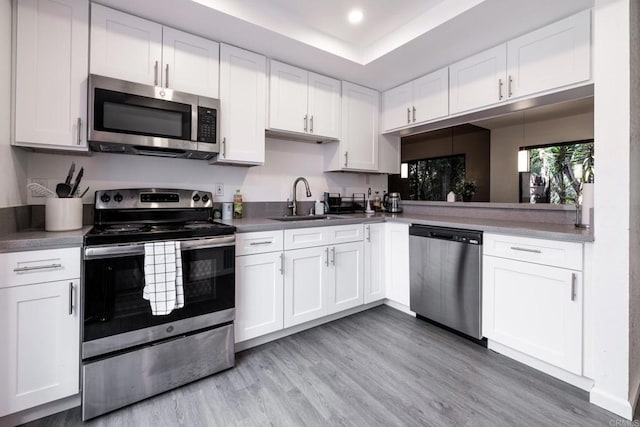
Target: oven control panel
[(153, 198)]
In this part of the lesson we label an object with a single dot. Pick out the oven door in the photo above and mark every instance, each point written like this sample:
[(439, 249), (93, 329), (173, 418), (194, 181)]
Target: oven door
[(116, 316)]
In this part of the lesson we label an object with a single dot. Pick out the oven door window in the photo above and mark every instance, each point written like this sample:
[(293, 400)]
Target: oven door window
[(132, 114), (113, 291)]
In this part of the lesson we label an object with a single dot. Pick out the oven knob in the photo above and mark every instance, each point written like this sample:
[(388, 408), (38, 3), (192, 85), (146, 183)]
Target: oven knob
[(118, 197), (196, 197), (105, 198), (205, 198)]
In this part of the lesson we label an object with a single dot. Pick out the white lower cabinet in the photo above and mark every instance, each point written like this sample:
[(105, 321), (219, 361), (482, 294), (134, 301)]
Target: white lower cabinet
[(40, 334), (374, 262), (346, 276), (397, 262), (532, 308), (259, 295), (305, 285)]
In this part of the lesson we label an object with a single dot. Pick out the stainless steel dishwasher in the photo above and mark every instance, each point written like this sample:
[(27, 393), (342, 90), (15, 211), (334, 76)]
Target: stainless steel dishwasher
[(445, 277)]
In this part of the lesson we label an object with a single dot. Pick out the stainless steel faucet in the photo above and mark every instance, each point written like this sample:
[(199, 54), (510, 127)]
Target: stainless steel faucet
[(293, 204)]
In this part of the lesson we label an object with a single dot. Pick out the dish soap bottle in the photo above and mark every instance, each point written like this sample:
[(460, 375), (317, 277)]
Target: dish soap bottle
[(237, 205)]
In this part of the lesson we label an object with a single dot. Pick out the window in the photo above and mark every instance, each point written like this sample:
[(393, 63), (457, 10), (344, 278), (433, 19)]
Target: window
[(556, 172)]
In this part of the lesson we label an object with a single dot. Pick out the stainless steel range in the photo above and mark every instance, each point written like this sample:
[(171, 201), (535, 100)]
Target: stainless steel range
[(129, 351)]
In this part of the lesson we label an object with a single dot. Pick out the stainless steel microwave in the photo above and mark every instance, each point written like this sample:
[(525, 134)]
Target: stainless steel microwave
[(132, 118)]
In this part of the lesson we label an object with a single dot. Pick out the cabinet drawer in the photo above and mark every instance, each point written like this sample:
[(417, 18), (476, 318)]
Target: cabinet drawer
[(540, 251), (259, 242), (306, 237), (24, 268), (345, 233)]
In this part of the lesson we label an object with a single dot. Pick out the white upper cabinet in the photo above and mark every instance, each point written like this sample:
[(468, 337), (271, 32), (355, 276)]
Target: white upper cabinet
[(243, 102), (189, 63), (478, 81), (547, 59), (52, 41), (551, 57), (418, 101), (303, 102), (126, 47), (357, 149)]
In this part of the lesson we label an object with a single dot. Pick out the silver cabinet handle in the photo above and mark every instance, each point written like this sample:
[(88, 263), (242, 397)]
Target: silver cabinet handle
[(346, 158), (36, 267), (333, 255), (224, 148), (155, 74), (368, 233), (266, 242), (305, 122), (166, 77), (509, 86), (408, 115), (282, 263), (500, 84), (327, 253), (573, 286), (414, 114), (533, 251), (79, 140), (70, 298), (311, 125)]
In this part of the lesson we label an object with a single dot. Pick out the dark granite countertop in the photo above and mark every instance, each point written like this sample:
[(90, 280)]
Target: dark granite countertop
[(40, 239)]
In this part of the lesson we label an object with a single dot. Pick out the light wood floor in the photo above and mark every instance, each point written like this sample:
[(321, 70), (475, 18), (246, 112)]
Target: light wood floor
[(380, 367)]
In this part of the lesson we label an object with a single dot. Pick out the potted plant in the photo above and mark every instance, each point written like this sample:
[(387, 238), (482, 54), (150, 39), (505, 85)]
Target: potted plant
[(466, 189)]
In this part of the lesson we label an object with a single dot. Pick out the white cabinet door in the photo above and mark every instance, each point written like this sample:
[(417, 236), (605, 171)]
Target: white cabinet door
[(305, 285), (359, 140), (288, 98), (374, 263), (189, 63), (535, 309), (478, 81), (125, 47), (243, 104), (346, 281), (52, 40), (430, 96), (40, 335), (397, 103), (397, 262), (259, 295), (554, 56), (324, 106)]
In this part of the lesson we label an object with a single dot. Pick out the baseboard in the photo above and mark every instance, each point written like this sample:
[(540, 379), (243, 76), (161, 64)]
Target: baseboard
[(254, 342), (566, 376), (41, 411), (611, 403), (399, 306)]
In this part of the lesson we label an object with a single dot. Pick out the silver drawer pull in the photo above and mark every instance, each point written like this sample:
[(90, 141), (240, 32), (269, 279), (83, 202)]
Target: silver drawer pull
[(261, 243), (573, 286), (36, 267), (70, 298), (533, 251)]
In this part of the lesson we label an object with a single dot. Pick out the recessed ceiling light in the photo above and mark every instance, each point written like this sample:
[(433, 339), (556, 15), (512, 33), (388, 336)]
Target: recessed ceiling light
[(355, 16)]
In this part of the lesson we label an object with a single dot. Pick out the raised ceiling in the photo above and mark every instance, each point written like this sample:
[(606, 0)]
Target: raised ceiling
[(397, 41)]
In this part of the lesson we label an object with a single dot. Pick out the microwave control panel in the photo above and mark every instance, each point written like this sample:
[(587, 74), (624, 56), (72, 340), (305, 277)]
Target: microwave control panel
[(207, 118)]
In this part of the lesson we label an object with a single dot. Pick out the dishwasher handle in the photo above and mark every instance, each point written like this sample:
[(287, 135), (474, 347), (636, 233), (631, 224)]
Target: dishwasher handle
[(472, 237)]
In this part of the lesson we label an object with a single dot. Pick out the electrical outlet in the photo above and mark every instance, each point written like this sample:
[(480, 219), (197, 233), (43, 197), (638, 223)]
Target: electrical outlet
[(219, 189)]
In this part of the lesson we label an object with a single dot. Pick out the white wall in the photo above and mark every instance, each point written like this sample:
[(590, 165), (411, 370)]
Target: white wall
[(506, 141), (610, 344), (285, 161), (12, 161)]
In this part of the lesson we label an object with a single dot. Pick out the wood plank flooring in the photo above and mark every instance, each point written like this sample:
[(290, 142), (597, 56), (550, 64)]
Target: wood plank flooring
[(380, 367)]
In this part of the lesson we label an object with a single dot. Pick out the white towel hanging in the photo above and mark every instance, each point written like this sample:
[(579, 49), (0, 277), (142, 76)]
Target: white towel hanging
[(163, 277)]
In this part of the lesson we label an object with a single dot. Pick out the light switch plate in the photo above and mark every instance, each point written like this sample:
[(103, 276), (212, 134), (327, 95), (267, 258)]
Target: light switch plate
[(219, 189)]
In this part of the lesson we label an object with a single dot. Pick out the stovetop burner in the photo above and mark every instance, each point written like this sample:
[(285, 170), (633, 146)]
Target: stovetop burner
[(140, 215)]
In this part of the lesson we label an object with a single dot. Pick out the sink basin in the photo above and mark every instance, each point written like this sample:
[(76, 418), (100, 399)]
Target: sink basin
[(290, 218)]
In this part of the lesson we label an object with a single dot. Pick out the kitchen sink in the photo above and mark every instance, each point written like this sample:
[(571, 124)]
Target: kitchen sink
[(292, 218)]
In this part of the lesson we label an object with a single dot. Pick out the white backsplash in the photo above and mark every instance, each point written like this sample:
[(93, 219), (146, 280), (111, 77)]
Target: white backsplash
[(285, 161)]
